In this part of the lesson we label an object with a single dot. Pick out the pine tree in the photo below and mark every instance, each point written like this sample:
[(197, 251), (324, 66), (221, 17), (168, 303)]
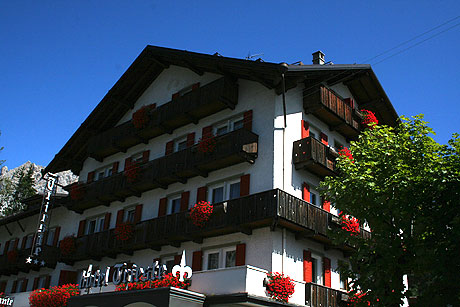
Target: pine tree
[(15, 193)]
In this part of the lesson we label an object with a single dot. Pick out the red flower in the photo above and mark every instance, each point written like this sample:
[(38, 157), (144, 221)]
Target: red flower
[(345, 152), (207, 143), (141, 116), (54, 297), (369, 120), (167, 281), (67, 245), (279, 287), (12, 256), (124, 231), (350, 224), (200, 213), (356, 298), (132, 171), (77, 191)]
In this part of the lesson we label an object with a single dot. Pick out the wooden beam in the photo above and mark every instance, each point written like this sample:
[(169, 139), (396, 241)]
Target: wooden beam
[(159, 62), (20, 226), (193, 68)]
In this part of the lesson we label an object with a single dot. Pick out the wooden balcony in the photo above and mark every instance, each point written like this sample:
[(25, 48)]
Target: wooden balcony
[(50, 254), (230, 149), (266, 209), (314, 156), (189, 108), (320, 296), (331, 109)]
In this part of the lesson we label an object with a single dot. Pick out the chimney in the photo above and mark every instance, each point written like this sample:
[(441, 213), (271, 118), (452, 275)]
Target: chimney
[(318, 57)]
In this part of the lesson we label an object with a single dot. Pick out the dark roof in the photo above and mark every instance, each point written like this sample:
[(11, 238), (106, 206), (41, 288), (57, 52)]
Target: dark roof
[(153, 60)]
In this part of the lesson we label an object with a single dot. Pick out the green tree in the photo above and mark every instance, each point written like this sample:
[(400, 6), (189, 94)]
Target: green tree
[(405, 187), (13, 192)]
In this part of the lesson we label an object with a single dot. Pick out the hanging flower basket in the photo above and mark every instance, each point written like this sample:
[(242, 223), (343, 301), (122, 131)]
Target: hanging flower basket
[(350, 224), (77, 191), (132, 171), (68, 246), (167, 281), (369, 119), (141, 117), (124, 231), (207, 144), (56, 296), (279, 287), (200, 213), (12, 256), (345, 152)]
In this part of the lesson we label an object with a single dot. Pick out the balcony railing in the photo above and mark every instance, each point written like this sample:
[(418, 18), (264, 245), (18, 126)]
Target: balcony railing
[(230, 149), (314, 156), (320, 296), (270, 208), (50, 255), (189, 108), (331, 109)]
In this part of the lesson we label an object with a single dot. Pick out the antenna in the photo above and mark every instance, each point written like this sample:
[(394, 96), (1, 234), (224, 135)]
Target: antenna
[(251, 56)]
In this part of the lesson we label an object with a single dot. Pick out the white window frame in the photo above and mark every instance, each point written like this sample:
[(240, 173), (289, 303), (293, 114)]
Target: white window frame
[(228, 123), (137, 157), (319, 280), (221, 262), (226, 185), (126, 212), (53, 231), (41, 281), (31, 237), (314, 192), (107, 171), (99, 224), (179, 141), (169, 204), (11, 245), (164, 260)]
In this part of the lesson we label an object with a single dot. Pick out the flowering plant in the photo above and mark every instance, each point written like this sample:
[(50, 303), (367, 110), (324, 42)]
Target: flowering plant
[(369, 119), (279, 287), (124, 231), (168, 280), (350, 224), (200, 213), (12, 256), (141, 116), (345, 152), (77, 191), (67, 245), (132, 171), (54, 297), (207, 143), (357, 298)]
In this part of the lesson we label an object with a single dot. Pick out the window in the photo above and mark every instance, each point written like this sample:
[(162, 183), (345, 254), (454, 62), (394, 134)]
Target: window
[(343, 283), (317, 272), (173, 204), (103, 172), (314, 133), (224, 191), (314, 198), (137, 157), (11, 245), (169, 262), (337, 145), (230, 258), (180, 144), (220, 258), (50, 237), (41, 282), (229, 125), (29, 240), (95, 224), (130, 213), (20, 285), (213, 261)]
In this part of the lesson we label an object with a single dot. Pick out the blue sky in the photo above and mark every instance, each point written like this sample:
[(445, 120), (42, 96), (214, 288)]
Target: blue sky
[(59, 58)]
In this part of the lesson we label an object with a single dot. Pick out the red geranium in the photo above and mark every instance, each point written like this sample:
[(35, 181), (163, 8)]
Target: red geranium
[(167, 281), (54, 297), (77, 191), (124, 231), (132, 171), (12, 256), (141, 116), (346, 153), (207, 143), (279, 287), (200, 213), (356, 298), (67, 246), (350, 224), (369, 119)]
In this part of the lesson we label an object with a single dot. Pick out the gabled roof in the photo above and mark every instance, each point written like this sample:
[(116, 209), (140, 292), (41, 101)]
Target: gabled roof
[(153, 60)]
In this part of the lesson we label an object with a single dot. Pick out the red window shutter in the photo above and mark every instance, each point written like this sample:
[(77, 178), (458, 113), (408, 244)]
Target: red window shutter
[(327, 271), (162, 207), (240, 254), (67, 277), (324, 139), (190, 139), (16, 243), (23, 243), (305, 129), (107, 217), (184, 199), (7, 246), (244, 185), (145, 156), (35, 285), (195, 86), (62, 277), (247, 120), (127, 162), (56, 236), (81, 228), (206, 132), (120, 215), (201, 194), (3, 286), (169, 148), (197, 261), (177, 259), (115, 167), (24, 285), (307, 266), (305, 192), (138, 213), (326, 205), (47, 281), (90, 177), (15, 285)]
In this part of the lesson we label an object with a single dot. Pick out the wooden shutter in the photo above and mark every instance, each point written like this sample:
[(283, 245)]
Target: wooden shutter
[(327, 271), (244, 185), (190, 139), (35, 285), (206, 132), (201, 194), (15, 285), (7, 245), (349, 101), (115, 166), (128, 162), (247, 120), (197, 261), (23, 243), (56, 235), (3, 286), (305, 192), (107, 217), (184, 199), (81, 228), (120, 215), (138, 213), (324, 139), (162, 207), (62, 278), (177, 259), (169, 148), (24, 285), (145, 156), (67, 277), (16, 243), (326, 205), (307, 266), (305, 129), (240, 254), (90, 177), (47, 281)]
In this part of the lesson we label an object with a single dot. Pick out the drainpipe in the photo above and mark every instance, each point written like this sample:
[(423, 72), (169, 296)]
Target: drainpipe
[(283, 239)]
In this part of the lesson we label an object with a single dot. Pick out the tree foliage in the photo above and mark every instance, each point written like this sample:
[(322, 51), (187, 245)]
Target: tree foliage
[(14, 191), (405, 187)]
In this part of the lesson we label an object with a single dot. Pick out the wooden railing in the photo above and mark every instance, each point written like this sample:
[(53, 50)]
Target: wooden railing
[(50, 255), (311, 154), (320, 296), (325, 104), (189, 108)]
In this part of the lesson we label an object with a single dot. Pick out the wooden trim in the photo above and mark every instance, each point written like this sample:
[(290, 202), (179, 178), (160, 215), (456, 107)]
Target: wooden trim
[(240, 254)]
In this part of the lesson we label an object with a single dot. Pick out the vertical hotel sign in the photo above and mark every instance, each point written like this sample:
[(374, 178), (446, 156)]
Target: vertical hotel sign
[(44, 219)]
